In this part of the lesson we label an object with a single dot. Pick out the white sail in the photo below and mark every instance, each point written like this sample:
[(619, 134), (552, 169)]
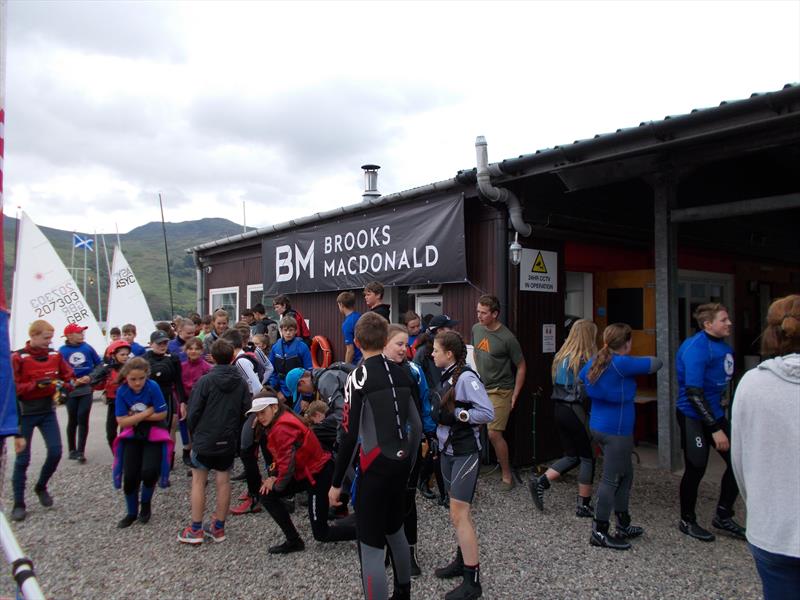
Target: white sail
[(44, 289), (126, 303)]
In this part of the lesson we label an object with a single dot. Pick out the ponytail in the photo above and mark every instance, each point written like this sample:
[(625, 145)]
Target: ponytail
[(615, 336), (451, 341)]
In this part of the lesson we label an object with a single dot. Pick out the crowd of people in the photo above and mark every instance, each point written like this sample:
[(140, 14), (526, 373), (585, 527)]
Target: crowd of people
[(356, 440)]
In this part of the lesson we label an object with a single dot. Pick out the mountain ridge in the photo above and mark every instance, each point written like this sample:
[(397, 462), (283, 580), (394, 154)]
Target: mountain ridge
[(143, 247)]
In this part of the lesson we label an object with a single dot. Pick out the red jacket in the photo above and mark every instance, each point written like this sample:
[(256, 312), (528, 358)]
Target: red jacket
[(32, 365), (295, 450)]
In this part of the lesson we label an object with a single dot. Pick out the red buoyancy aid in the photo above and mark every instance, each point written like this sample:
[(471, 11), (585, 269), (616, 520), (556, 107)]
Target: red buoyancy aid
[(32, 365), (295, 449)]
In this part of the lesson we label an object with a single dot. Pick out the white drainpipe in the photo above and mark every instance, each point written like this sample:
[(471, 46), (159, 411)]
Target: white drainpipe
[(503, 195)]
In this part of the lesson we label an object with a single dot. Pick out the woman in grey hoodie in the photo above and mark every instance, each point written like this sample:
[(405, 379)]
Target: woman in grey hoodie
[(765, 428)]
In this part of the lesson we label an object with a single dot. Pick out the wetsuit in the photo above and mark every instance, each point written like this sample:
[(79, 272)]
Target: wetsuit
[(459, 440), (380, 412), (704, 366), (431, 463)]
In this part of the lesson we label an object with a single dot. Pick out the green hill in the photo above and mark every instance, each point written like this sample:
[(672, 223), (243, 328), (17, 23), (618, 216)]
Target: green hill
[(144, 249)]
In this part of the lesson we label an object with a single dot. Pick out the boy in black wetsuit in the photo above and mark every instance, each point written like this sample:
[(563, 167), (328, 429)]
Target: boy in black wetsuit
[(380, 409)]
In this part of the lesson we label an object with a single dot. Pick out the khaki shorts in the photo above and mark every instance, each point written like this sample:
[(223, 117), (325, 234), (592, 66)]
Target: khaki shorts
[(501, 400)]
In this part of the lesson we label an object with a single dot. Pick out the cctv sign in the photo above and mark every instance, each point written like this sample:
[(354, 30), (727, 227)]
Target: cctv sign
[(538, 271)]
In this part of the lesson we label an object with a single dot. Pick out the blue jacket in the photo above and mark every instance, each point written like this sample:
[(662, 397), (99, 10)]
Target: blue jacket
[(81, 357), (285, 357), (612, 395), (705, 362), (428, 426)]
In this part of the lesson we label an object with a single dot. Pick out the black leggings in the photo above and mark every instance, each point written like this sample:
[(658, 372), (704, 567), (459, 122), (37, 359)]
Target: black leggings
[(248, 453), (571, 422), (614, 490), (78, 409), (317, 508), (141, 463), (695, 441), (431, 465), (410, 521), (111, 422)]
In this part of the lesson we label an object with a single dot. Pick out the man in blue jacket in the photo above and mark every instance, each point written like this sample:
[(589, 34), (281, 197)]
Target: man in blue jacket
[(704, 365)]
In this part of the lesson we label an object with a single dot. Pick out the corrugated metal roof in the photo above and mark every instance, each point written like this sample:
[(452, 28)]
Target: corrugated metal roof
[(672, 129)]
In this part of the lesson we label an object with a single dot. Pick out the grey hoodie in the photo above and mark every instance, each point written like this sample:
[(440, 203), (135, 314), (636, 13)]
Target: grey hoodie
[(765, 449)]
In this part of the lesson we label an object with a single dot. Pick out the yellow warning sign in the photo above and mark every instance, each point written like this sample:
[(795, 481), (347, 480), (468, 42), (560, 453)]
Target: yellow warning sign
[(538, 264)]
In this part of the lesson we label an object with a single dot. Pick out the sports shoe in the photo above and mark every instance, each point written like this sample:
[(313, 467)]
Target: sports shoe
[(18, 513), (288, 546), (582, 510), (248, 505), (694, 530), (537, 486), (190, 536), (126, 521), (211, 531), (81, 458), (454, 569), (45, 499), (507, 486), (416, 571), (470, 587), (426, 491), (601, 538), (625, 530), (730, 526), (145, 512), (73, 455)]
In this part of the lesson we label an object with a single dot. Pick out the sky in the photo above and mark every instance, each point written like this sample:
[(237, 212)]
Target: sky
[(274, 107)]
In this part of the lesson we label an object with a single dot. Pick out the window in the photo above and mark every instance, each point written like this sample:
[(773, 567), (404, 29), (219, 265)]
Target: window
[(428, 307), (226, 299)]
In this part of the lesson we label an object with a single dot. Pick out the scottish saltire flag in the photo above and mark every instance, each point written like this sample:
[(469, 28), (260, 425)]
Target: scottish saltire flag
[(82, 242)]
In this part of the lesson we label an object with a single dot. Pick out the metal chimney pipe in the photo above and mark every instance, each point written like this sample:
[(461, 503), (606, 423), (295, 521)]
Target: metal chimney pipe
[(370, 182)]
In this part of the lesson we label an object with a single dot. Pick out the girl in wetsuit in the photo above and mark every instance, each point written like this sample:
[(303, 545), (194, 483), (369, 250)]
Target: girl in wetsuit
[(460, 410), (610, 382), (571, 418)]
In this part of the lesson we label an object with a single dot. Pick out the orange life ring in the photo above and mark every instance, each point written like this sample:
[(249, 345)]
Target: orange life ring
[(321, 343)]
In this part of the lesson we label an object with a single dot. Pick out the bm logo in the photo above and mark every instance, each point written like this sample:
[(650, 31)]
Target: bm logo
[(289, 263)]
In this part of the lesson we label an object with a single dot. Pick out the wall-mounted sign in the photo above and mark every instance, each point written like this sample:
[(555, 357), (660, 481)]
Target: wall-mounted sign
[(548, 338), (398, 244), (538, 271)]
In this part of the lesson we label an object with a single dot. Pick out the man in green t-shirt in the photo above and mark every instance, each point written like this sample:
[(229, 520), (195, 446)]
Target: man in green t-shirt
[(497, 353)]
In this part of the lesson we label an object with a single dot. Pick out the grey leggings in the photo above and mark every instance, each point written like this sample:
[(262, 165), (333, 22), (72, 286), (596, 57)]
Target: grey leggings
[(615, 484)]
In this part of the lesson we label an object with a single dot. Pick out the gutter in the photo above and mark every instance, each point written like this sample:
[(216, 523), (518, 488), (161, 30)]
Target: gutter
[(341, 211)]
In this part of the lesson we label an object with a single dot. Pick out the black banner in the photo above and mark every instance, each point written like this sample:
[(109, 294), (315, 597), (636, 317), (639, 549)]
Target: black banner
[(398, 244)]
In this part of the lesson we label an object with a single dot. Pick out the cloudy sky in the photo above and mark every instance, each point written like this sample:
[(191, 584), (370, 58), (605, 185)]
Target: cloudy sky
[(278, 105)]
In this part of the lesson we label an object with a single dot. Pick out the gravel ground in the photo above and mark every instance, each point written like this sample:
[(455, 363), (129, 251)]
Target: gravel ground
[(79, 553)]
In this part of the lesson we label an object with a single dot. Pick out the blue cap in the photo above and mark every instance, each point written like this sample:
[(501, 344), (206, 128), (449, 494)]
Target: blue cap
[(292, 377)]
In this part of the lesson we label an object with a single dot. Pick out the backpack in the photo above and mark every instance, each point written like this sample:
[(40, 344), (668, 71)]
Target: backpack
[(257, 366)]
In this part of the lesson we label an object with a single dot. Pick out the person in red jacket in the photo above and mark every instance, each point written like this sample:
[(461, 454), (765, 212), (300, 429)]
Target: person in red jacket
[(300, 464), (39, 375), (107, 375)]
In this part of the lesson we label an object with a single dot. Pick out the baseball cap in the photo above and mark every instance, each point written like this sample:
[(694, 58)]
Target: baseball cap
[(260, 404), (158, 336), (292, 377), (441, 321), (74, 328)]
